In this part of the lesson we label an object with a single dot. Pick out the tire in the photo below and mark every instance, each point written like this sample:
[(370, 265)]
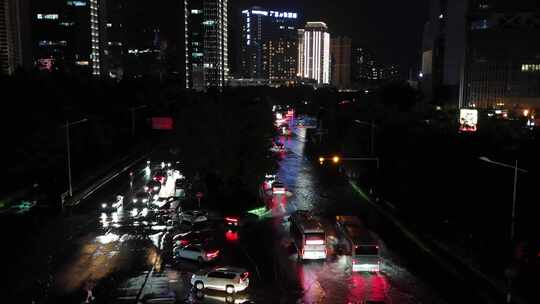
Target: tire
[(229, 289), (199, 286)]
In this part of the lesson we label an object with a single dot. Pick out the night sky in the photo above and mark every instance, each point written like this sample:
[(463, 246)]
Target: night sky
[(391, 28)]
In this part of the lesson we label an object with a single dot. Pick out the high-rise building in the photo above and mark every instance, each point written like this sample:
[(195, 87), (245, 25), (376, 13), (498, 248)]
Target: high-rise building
[(153, 46), (443, 50), (368, 72), (341, 61), (14, 36), (207, 43), (314, 52), (268, 44), (502, 67), (68, 35), (279, 59)]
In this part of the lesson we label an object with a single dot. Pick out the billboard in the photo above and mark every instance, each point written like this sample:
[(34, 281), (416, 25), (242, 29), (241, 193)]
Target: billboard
[(162, 123), (468, 120)]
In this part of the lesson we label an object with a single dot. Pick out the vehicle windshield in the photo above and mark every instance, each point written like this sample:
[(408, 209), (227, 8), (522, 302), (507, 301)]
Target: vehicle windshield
[(366, 250)]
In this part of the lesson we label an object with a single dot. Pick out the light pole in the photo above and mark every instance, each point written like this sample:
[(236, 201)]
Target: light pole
[(67, 125), (133, 109), (372, 137), (514, 195), (513, 224)]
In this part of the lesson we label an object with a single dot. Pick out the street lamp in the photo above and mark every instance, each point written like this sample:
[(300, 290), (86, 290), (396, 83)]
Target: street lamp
[(372, 137), (67, 125), (516, 170), (133, 109)]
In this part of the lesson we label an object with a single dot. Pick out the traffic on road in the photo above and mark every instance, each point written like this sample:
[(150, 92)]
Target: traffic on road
[(156, 242)]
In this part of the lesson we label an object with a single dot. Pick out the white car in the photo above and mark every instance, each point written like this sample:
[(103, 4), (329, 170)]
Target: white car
[(228, 279), (195, 253), (194, 216)]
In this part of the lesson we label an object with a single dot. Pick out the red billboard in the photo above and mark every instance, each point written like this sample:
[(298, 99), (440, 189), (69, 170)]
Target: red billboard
[(162, 123)]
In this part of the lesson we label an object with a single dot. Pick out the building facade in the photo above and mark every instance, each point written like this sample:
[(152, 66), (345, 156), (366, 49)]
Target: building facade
[(341, 50), (314, 52), (206, 41), (14, 36), (502, 75), (368, 72), (443, 51), (68, 35), (268, 44)]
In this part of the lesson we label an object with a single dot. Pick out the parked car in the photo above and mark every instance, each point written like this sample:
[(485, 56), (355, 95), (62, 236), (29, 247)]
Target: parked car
[(193, 237), (240, 220), (193, 216), (153, 186), (160, 176), (228, 279), (196, 252), (113, 206), (141, 199)]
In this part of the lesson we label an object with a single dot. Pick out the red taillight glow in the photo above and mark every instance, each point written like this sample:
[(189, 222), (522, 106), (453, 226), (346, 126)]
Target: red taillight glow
[(314, 242), (231, 219), (211, 255), (244, 276)]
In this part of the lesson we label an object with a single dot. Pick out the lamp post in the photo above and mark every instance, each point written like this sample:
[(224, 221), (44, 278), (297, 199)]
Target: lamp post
[(133, 109), (514, 195), (67, 125), (513, 223), (372, 137)]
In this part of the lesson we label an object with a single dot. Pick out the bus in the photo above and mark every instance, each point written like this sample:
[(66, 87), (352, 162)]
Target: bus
[(308, 235), (364, 249)]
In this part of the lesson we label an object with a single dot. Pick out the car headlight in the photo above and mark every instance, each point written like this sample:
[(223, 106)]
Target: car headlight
[(134, 200), (156, 188), (145, 188), (103, 206), (145, 200)]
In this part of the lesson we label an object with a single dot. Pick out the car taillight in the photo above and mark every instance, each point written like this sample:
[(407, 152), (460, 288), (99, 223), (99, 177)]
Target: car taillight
[(183, 242), (314, 242), (211, 255), (244, 276)]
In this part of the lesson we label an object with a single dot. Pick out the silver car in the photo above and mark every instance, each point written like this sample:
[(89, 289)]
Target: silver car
[(196, 253), (228, 279)]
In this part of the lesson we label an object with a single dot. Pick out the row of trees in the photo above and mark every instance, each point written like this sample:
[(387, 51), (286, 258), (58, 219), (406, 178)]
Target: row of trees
[(224, 141), (36, 108)]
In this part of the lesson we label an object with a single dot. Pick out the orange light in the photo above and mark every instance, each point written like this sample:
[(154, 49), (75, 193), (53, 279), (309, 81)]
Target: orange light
[(526, 112), (335, 159)]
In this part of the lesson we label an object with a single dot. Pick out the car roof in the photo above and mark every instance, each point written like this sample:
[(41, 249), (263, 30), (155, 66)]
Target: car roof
[(230, 269)]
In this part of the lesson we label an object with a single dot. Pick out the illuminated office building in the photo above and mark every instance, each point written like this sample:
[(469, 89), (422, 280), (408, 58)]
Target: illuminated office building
[(206, 43), (68, 35), (268, 44), (314, 52)]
